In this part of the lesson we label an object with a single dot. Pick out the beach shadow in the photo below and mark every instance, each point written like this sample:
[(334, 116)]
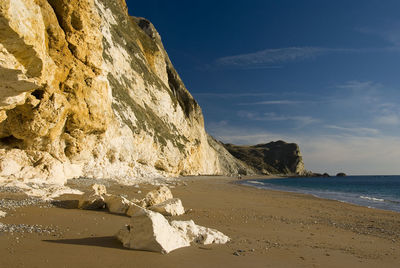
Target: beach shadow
[(104, 241)]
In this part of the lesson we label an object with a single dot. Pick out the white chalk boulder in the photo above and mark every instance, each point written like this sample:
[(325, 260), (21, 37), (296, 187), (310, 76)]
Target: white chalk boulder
[(150, 231), (117, 204), (199, 234), (158, 196), (170, 207)]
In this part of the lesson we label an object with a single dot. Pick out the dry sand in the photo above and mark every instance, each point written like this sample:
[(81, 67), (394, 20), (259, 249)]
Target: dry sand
[(268, 229)]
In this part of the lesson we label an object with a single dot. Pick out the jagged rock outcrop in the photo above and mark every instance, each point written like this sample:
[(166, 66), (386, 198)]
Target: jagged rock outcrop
[(272, 158), (87, 90)]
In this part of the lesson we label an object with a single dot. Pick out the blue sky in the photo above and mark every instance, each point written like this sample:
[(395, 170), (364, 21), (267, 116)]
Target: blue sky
[(323, 74)]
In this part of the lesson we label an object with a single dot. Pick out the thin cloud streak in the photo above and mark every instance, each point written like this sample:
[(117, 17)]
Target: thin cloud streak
[(300, 120), (271, 57), (231, 95), (363, 131), (273, 102), (274, 58), (389, 120)]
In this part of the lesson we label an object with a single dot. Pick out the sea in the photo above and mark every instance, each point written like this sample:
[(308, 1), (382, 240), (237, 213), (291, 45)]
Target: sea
[(382, 192)]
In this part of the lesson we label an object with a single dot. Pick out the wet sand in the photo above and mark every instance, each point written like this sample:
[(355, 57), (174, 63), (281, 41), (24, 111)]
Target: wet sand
[(268, 229)]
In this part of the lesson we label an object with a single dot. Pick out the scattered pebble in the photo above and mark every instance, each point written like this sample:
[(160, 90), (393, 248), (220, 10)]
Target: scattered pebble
[(10, 189), (10, 204), (26, 228)]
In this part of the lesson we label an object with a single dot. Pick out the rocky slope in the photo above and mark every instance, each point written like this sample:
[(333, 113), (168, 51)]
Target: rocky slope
[(88, 90), (271, 158)]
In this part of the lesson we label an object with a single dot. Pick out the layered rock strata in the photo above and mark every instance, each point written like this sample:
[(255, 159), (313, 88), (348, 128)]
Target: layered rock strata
[(87, 90)]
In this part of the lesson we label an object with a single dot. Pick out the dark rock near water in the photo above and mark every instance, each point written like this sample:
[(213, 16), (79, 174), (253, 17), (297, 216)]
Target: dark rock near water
[(271, 158), (313, 174), (341, 174)]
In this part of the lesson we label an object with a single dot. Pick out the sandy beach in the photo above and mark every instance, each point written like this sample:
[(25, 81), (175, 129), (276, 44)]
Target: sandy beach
[(267, 228)]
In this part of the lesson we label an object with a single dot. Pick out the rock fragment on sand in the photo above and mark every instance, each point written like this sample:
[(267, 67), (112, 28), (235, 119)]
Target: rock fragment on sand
[(157, 196), (99, 189), (133, 209), (93, 199), (200, 234), (170, 207), (2, 214), (150, 231), (117, 204)]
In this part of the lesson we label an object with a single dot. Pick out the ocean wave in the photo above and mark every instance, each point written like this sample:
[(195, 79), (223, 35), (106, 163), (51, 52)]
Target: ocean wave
[(255, 182), (392, 201), (372, 198)]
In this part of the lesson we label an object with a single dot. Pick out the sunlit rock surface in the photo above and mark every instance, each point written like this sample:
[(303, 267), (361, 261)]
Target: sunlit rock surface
[(88, 90)]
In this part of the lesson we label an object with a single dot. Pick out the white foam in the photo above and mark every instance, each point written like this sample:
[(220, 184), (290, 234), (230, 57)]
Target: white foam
[(372, 198), (255, 182)]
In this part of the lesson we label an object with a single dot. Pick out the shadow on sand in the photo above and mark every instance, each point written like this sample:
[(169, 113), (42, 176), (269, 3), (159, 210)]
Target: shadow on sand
[(104, 241)]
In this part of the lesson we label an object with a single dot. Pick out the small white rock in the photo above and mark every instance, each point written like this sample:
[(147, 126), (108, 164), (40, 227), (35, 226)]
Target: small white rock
[(2, 214)]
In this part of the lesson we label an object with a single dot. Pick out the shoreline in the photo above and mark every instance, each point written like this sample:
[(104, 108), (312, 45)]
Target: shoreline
[(351, 202), (268, 229)]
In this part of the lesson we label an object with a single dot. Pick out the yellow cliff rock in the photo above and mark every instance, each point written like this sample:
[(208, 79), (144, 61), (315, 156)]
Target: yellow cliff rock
[(88, 90)]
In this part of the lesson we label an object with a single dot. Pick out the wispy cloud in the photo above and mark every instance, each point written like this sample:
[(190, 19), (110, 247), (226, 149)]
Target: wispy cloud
[(362, 131), (273, 102), (379, 103), (388, 119), (359, 85), (301, 121), (274, 57), (230, 95), (390, 32)]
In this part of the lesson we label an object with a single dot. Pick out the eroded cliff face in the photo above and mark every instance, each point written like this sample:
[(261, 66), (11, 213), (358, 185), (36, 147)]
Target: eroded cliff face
[(87, 90), (271, 158)]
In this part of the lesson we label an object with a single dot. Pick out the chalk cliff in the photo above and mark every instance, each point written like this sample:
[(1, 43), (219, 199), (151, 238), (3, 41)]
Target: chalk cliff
[(87, 90), (271, 158)]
